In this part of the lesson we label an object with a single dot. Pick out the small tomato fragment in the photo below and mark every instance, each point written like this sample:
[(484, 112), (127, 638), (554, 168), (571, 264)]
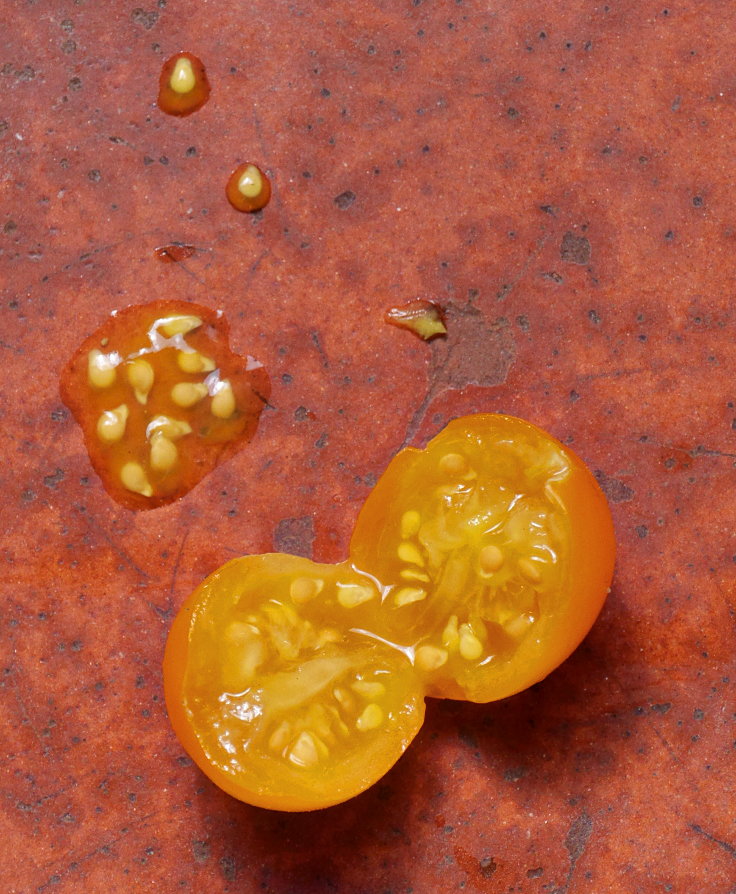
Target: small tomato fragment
[(183, 85), (161, 399), (424, 318)]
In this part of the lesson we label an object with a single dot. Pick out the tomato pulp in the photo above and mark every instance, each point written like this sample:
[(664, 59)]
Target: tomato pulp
[(477, 565)]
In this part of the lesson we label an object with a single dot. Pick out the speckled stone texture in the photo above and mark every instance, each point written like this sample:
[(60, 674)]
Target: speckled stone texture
[(560, 176)]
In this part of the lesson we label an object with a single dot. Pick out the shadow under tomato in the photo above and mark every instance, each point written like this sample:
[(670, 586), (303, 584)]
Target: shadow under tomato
[(541, 746)]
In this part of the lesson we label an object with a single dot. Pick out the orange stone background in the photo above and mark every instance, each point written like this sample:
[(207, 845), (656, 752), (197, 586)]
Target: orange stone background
[(561, 177)]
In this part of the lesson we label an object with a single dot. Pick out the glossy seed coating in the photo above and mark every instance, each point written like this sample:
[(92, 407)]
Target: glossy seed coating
[(371, 718), (368, 688), (163, 453), (408, 595), (411, 521), (187, 394), (223, 401), (100, 369), (407, 552), (194, 362), (470, 647), (490, 559), (453, 464), (182, 78), (303, 589), (111, 424), (305, 751), (430, 658), (134, 479), (181, 324), (140, 377), (171, 428), (352, 595)]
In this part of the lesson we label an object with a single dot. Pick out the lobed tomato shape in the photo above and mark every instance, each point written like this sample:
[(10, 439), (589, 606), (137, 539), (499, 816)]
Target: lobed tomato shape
[(477, 565)]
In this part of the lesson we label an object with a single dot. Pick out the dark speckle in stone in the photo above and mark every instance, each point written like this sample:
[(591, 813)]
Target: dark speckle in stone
[(575, 249), (295, 536), (145, 19), (201, 851), (53, 481), (345, 199), (616, 491)]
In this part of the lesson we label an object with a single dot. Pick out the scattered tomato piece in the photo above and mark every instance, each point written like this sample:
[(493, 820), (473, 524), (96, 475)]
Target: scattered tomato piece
[(174, 252), (248, 188), (424, 318)]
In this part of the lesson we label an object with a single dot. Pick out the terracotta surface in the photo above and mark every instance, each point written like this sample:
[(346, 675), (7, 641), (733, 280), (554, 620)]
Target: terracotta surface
[(561, 177)]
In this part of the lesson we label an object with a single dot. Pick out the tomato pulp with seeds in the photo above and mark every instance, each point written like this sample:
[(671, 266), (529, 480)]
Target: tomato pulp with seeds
[(161, 399), (476, 567), (183, 86)]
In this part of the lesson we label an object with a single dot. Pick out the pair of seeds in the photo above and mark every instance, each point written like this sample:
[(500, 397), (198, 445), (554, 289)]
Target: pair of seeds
[(184, 88)]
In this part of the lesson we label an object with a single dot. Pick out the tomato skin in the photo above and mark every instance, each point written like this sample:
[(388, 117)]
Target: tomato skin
[(589, 547)]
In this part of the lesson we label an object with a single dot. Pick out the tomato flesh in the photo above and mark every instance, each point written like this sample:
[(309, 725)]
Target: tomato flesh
[(477, 565)]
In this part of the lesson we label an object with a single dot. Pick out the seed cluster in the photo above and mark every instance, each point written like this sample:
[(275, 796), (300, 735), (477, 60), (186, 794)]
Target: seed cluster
[(489, 576), (160, 397), (291, 672)]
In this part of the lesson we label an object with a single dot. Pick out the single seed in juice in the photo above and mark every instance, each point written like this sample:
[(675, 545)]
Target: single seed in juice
[(183, 86), (248, 188)]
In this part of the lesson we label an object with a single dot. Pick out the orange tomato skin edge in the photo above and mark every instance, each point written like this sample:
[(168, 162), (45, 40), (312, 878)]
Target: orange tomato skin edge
[(176, 658)]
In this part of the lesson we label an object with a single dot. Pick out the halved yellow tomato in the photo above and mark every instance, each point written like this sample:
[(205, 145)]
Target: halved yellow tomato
[(273, 695)]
